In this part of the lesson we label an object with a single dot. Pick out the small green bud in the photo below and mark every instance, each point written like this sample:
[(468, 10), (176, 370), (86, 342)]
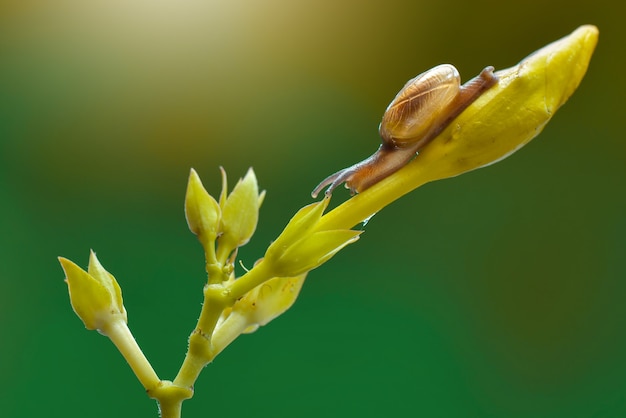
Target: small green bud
[(201, 210), (312, 251), (301, 248), (94, 294), (240, 213), (299, 225)]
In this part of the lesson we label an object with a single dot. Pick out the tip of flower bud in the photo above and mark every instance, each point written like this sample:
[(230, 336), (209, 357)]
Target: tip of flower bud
[(240, 212), (201, 210), (95, 295), (302, 247)]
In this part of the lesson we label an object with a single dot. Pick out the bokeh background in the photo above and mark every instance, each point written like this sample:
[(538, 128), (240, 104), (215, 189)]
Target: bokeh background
[(499, 293)]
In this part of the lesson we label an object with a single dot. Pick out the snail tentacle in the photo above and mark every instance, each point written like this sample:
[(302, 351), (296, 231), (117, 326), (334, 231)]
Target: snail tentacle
[(335, 180)]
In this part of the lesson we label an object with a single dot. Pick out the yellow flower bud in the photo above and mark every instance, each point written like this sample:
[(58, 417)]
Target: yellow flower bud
[(299, 226), (313, 251), (300, 248), (514, 111), (498, 123), (94, 294), (240, 213), (201, 210)]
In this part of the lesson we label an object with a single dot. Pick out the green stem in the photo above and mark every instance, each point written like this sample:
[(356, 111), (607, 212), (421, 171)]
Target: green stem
[(209, 251), (215, 273), (200, 352), (196, 358), (259, 274), (170, 409), (121, 336), (170, 398), (217, 297)]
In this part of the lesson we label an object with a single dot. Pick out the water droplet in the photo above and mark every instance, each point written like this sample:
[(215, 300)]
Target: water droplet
[(366, 220)]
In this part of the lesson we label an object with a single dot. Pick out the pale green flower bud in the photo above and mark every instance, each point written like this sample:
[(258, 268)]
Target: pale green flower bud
[(300, 248), (298, 227), (94, 294), (240, 213), (313, 251), (201, 210)]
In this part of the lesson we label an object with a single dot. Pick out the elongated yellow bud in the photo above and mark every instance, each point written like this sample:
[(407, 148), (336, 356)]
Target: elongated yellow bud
[(201, 210), (498, 123), (94, 294)]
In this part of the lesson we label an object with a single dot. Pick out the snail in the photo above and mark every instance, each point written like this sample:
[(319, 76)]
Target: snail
[(419, 112)]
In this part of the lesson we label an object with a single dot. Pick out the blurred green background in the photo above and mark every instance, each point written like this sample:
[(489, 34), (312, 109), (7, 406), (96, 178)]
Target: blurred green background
[(499, 293)]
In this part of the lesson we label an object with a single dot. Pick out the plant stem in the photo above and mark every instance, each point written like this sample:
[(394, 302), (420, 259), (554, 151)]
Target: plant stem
[(170, 409), (200, 352), (259, 274), (121, 336), (170, 398)]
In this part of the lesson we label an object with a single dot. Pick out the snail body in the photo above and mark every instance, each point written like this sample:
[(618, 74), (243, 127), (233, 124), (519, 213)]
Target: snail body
[(419, 112)]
